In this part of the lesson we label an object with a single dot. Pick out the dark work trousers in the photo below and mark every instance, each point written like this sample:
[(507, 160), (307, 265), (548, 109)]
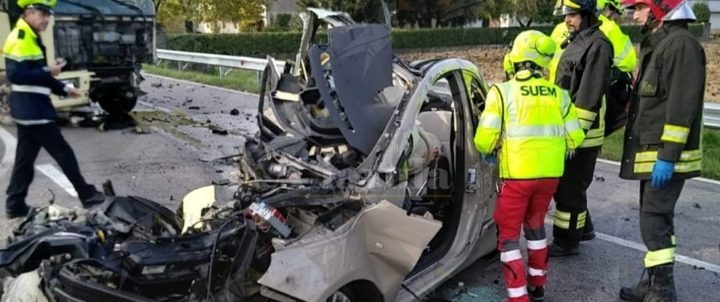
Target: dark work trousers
[(571, 198), (30, 140), (657, 210)]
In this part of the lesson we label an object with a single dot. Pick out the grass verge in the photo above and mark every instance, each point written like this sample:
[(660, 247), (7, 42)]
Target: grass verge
[(237, 79), (612, 150)]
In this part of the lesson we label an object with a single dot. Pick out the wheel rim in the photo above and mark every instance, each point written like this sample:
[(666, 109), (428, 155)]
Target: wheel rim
[(339, 297)]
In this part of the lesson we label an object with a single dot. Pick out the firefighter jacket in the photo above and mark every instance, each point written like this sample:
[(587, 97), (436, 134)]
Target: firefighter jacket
[(584, 71), (31, 81), (533, 123), (665, 120)]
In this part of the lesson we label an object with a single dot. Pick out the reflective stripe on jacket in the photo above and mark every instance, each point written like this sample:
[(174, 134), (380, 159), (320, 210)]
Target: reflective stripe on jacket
[(533, 123)]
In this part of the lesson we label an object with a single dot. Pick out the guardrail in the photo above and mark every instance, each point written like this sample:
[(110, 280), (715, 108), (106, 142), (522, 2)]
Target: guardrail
[(711, 115), (226, 63), (711, 112)]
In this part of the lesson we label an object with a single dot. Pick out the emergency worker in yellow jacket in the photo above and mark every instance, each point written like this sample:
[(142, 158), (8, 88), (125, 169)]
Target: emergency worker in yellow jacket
[(32, 83), (530, 124)]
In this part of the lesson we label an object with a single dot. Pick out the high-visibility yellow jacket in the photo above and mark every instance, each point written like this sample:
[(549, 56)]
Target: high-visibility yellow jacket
[(559, 35), (624, 56), (31, 81), (533, 123)]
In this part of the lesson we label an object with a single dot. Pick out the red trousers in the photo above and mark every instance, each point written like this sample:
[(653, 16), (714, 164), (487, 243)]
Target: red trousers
[(523, 203)]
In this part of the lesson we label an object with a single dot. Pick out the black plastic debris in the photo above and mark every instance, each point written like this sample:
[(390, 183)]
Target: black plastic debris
[(697, 206), (234, 112), (219, 131), (194, 108), (156, 85)]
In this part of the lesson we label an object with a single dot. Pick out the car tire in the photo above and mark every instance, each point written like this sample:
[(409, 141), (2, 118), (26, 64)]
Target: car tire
[(345, 294)]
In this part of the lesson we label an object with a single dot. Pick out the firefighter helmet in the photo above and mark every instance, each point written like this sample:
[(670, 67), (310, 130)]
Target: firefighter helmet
[(665, 10), (579, 6)]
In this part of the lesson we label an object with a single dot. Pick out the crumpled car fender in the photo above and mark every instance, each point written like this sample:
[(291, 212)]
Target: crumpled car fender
[(381, 244)]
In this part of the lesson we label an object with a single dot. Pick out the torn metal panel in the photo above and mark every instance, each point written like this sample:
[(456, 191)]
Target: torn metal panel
[(349, 75), (381, 244)]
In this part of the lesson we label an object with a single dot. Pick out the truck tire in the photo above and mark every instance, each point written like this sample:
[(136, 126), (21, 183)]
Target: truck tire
[(115, 100)]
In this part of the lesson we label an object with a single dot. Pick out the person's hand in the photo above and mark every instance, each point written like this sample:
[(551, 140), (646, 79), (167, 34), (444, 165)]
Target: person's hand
[(75, 93), (569, 154), (55, 69), (662, 173)]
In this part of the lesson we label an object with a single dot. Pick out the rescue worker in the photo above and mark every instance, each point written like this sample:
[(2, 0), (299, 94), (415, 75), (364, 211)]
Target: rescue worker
[(530, 124), (584, 71), (32, 82), (663, 135), (624, 62)]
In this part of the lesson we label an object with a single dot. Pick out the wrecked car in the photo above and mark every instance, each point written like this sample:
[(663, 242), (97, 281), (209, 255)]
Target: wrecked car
[(362, 184)]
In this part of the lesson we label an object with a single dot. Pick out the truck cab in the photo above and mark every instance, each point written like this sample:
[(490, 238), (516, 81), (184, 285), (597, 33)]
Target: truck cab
[(104, 42)]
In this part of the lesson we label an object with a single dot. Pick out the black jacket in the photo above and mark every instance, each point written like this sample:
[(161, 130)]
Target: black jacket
[(665, 118), (584, 71)]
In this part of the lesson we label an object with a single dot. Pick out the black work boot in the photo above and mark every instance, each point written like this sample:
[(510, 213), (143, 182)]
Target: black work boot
[(662, 285), (93, 200), (20, 213), (588, 230), (637, 292), (561, 250), (537, 294)]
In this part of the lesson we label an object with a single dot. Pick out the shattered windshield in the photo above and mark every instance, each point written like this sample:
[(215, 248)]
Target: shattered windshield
[(105, 7)]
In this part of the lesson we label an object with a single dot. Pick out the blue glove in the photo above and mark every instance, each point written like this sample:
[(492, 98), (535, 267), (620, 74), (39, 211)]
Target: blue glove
[(490, 159), (662, 173)]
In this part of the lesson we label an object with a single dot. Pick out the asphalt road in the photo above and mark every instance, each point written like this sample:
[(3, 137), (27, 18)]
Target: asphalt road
[(180, 152)]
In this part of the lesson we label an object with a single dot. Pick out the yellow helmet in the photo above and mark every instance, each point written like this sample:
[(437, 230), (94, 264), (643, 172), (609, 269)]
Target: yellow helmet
[(532, 46), (46, 5)]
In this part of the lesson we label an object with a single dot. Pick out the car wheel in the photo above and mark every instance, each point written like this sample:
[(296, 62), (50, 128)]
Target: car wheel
[(343, 295)]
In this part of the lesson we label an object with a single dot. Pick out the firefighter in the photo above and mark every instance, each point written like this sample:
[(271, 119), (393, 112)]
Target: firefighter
[(584, 71), (530, 124), (663, 135), (32, 82)]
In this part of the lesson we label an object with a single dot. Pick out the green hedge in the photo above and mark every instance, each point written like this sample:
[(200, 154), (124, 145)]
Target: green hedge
[(276, 43)]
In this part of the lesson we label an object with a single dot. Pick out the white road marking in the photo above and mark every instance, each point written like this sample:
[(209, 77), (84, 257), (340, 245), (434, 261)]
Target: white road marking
[(700, 179), (49, 170), (641, 248)]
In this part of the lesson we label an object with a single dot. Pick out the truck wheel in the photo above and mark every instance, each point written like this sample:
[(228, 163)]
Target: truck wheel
[(115, 100)]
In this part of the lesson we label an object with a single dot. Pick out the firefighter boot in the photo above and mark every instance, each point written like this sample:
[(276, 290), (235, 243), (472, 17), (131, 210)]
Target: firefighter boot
[(637, 292), (662, 285)]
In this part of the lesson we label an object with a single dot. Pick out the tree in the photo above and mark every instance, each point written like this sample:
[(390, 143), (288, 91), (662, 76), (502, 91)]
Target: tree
[(245, 13), (702, 11), (359, 10), (492, 9), (528, 11)]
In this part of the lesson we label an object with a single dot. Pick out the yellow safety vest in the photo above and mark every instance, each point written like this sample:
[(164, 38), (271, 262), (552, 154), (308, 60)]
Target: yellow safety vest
[(533, 123), (22, 48)]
